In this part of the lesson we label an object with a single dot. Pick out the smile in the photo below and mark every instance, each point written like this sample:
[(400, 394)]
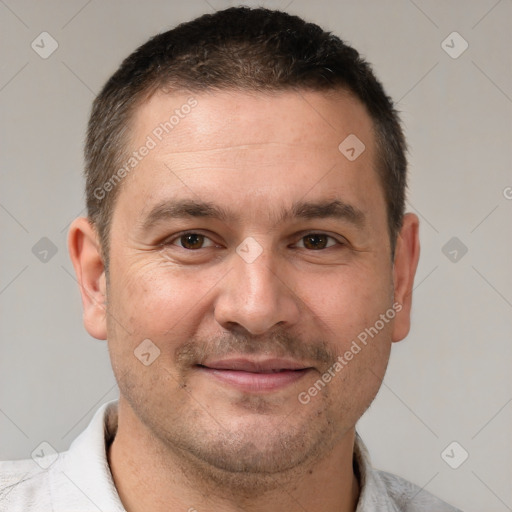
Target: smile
[(255, 375)]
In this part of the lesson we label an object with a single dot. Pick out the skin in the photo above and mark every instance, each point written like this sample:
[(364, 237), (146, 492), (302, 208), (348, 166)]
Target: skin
[(187, 440)]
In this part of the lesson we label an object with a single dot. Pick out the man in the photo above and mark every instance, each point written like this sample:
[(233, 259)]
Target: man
[(247, 256)]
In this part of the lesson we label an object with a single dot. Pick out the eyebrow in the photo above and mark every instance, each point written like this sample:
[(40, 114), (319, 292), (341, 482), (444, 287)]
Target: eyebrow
[(188, 208)]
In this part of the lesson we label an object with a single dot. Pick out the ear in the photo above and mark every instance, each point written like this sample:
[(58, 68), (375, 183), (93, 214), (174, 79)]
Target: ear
[(85, 251), (407, 253)]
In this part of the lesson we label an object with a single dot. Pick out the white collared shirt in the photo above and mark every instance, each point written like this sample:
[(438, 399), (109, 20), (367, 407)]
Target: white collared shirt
[(79, 480)]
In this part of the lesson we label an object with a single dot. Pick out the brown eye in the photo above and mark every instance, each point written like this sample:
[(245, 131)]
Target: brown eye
[(317, 241), (191, 241)]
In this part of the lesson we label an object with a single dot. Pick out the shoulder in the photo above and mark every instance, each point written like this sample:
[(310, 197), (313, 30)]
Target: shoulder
[(383, 491), (71, 481), (409, 497), (24, 486)]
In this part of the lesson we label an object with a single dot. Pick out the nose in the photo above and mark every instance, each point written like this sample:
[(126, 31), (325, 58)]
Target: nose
[(255, 297)]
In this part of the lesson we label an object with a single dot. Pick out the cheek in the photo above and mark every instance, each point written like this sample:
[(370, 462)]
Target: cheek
[(363, 359), (349, 300), (154, 300), (147, 304)]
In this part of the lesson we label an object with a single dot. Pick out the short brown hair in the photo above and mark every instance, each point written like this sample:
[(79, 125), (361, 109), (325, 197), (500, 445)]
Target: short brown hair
[(243, 49)]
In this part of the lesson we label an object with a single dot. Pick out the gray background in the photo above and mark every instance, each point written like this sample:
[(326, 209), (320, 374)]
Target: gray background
[(448, 381)]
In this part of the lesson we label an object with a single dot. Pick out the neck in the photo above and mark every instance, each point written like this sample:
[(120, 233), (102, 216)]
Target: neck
[(150, 476)]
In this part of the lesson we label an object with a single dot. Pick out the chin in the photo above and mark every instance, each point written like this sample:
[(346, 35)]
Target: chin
[(260, 445)]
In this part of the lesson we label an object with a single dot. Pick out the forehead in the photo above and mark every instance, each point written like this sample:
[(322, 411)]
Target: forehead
[(211, 119), (269, 149)]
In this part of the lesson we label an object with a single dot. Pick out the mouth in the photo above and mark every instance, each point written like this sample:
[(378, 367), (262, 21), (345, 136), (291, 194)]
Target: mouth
[(252, 375)]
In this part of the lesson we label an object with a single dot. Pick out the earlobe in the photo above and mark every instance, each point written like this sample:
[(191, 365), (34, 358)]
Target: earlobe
[(85, 252), (407, 254)]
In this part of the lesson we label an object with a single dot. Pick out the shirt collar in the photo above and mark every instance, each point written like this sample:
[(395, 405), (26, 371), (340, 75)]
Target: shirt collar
[(86, 467), (373, 493)]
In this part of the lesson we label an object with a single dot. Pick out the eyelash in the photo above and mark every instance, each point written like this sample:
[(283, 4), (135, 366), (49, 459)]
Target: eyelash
[(184, 233)]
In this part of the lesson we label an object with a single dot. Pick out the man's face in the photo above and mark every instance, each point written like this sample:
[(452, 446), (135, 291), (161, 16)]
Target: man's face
[(251, 309)]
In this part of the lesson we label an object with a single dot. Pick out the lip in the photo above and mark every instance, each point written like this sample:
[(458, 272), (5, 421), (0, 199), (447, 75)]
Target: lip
[(269, 365), (252, 375)]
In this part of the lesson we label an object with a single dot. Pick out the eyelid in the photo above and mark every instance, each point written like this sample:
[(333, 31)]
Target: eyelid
[(339, 241), (175, 237)]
